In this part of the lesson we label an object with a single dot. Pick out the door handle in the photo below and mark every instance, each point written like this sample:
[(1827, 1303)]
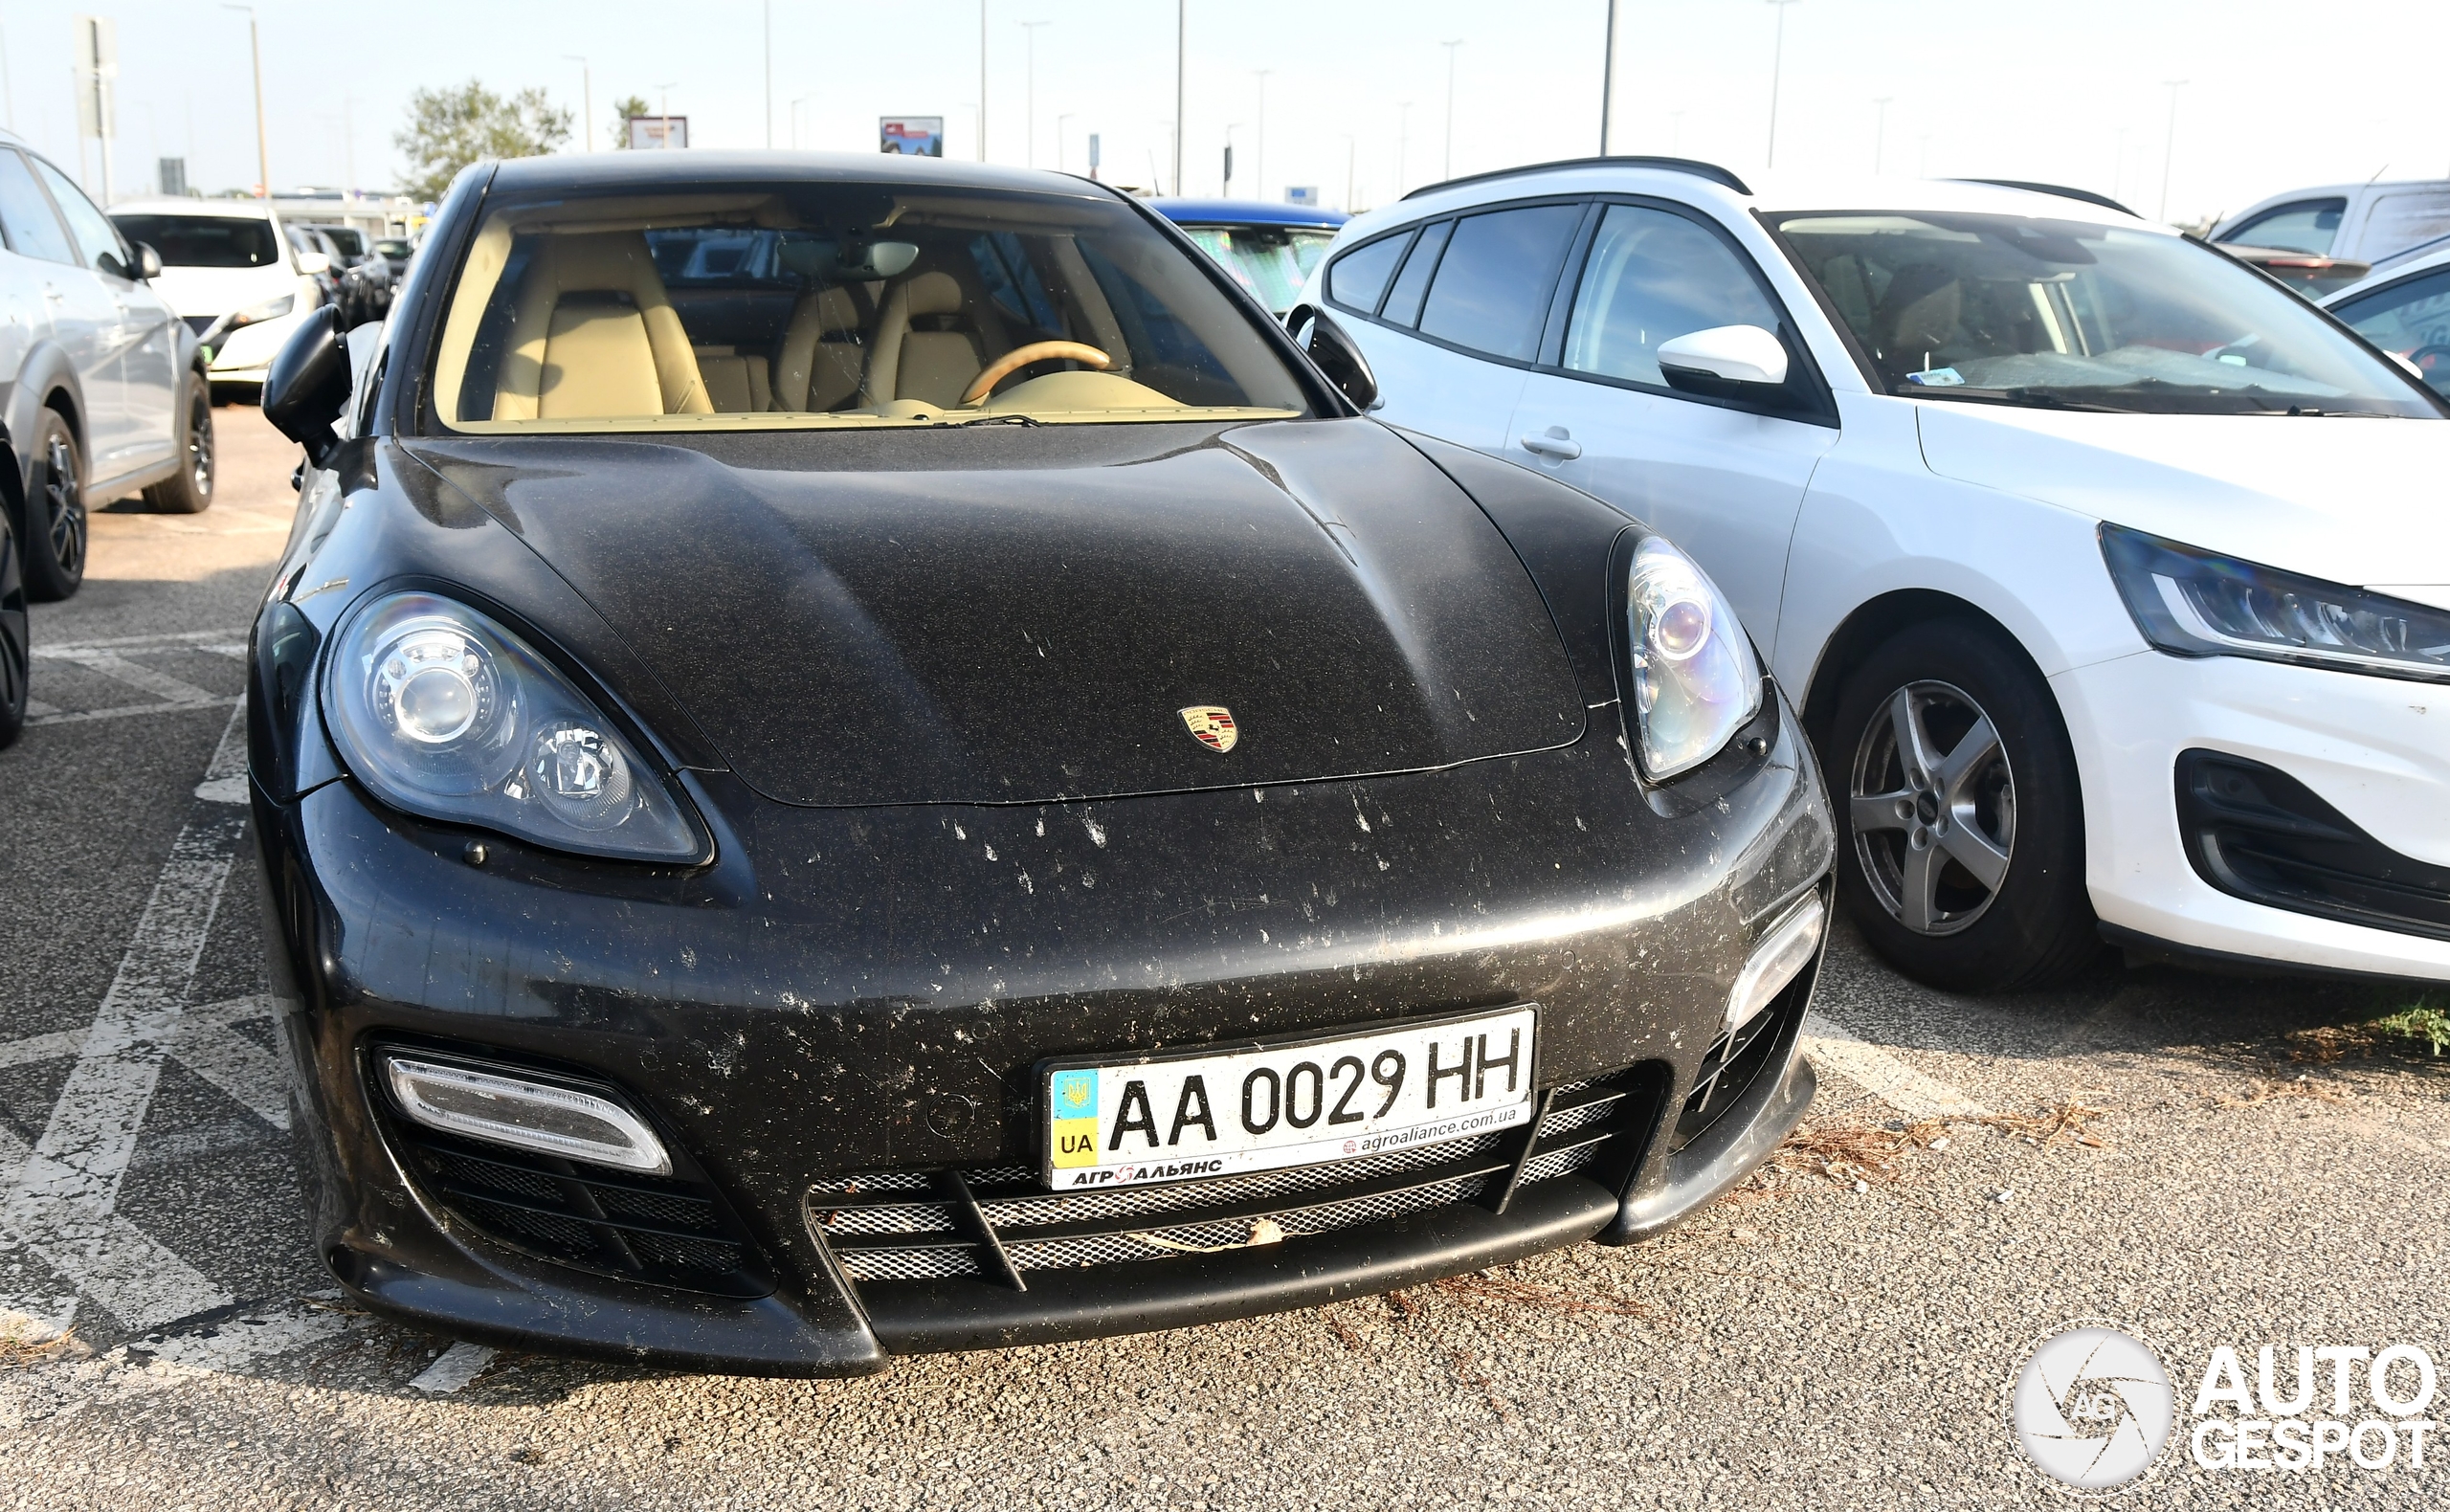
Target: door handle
[(1556, 443)]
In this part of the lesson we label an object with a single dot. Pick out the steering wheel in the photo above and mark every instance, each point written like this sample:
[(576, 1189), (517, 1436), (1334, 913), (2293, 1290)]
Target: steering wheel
[(1020, 357)]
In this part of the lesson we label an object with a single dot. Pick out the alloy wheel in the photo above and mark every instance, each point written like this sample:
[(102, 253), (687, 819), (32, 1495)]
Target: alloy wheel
[(200, 442), (65, 501), (1933, 807)]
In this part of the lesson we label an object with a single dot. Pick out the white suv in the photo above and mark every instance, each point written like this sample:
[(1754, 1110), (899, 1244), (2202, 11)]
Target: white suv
[(2111, 577)]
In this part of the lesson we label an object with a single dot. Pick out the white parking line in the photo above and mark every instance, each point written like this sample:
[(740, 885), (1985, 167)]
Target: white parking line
[(165, 641), (116, 666), (1832, 1045), (129, 710), (62, 1201)]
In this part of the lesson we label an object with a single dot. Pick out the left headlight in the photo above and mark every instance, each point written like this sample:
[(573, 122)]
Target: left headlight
[(1696, 681), (2195, 604), (446, 714)]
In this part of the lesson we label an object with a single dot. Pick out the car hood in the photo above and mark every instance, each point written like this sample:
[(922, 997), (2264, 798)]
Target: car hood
[(2349, 499), (1003, 616), (218, 291)]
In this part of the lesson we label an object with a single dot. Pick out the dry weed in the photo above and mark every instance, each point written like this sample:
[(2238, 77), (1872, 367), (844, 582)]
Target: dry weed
[(19, 1353), (1865, 1152), (1345, 1332)]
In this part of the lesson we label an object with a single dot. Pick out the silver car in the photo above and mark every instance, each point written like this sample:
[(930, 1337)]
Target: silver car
[(100, 386)]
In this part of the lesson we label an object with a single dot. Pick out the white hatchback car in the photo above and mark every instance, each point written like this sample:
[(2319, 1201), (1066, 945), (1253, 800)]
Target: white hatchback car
[(2111, 577)]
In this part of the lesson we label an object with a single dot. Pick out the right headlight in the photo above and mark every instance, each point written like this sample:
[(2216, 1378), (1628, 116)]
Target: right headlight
[(444, 713), (1696, 681), (268, 310), (2195, 604)]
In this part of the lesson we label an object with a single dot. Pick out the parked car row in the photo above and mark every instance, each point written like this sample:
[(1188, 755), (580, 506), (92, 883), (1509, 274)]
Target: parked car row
[(2104, 573)]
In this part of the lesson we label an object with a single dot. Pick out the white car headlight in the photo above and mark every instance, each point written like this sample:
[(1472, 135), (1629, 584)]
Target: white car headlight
[(1696, 681), (2195, 604), (446, 714)]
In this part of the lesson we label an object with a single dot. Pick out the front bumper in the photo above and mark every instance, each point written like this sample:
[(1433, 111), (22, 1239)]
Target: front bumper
[(2373, 749), (245, 355), (846, 993)]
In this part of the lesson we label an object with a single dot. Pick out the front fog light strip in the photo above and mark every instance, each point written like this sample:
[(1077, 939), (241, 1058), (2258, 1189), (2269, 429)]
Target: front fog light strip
[(525, 1115), (1785, 950)]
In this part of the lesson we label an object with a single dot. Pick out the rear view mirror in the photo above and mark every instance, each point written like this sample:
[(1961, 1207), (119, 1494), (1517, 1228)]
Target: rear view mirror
[(1724, 361), (308, 384), (1336, 355)]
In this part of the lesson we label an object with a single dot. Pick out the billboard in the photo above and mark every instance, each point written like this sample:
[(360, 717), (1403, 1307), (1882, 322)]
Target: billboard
[(658, 131), (913, 136)]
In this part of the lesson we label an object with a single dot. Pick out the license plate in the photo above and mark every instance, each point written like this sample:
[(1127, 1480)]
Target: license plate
[(1263, 1107)]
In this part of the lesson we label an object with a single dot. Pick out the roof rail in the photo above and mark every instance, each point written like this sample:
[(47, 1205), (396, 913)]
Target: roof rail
[(1699, 169), (2059, 189)]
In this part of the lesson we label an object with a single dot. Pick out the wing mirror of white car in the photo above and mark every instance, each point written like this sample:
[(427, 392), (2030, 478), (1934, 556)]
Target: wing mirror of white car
[(148, 262), (314, 264), (1724, 361)]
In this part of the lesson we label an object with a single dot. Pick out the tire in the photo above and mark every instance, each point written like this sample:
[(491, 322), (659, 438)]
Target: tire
[(15, 664), (189, 490), (55, 526), (1965, 869)]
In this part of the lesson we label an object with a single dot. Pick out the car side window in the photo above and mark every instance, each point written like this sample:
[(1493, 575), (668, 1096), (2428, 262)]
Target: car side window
[(1358, 278), (33, 228), (2310, 225), (97, 244), (2411, 320), (1492, 286), (1653, 275), (1403, 301)]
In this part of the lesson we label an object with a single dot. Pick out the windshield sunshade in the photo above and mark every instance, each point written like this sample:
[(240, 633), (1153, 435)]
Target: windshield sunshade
[(2063, 314), (803, 305)]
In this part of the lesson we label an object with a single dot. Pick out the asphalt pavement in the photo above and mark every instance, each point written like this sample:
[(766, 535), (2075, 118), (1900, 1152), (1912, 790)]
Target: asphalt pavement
[(2200, 1162)]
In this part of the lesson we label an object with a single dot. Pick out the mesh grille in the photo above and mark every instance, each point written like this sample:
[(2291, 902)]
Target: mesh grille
[(905, 1265), (1146, 1223), (1259, 1185), (560, 1233), (906, 1217), (1149, 1244), (492, 1177), (686, 1255), (681, 1213)]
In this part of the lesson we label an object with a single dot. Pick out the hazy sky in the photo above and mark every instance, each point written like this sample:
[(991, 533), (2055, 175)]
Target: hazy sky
[(2278, 95)]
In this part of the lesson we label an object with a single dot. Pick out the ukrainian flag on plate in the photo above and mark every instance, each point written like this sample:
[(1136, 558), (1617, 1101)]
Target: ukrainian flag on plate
[(1073, 1098)]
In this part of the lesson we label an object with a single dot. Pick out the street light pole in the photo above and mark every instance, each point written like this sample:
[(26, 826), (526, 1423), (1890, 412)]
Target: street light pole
[(1348, 151), (2169, 148), (1258, 153), (663, 109), (1403, 141), (1450, 105), (795, 117), (1608, 78), (1777, 63), (587, 96), (1059, 158), (263, 148), (1879, 134), (1181, 15), (1029, 95)]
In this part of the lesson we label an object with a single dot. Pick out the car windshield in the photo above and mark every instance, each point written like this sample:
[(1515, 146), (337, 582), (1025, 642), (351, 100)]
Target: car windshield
[(202, 241), (1271, 261), (840, 304), (392, 249), (2064, 314), (347, 239)]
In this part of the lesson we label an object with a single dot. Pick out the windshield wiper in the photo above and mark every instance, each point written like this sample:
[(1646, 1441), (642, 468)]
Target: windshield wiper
[(2036, 398), (987, 419)]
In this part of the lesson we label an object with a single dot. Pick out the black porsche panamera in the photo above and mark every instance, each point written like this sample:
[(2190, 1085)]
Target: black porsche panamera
[(856, 756)]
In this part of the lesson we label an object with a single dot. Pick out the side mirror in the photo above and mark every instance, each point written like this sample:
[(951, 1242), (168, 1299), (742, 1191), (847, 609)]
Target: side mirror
[(148, 262), (314, 264), (1723, 362), (1336, 354), (308, 384)]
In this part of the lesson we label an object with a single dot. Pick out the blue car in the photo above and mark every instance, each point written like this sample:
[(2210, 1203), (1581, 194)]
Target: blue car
[(1269, 249)]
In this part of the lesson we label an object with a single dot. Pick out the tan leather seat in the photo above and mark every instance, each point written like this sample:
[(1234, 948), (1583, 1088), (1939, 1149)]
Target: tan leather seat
[(735, 382), (593, 335), (819, 365), (921, 350)]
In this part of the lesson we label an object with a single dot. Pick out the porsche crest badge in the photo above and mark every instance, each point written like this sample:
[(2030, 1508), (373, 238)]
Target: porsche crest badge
[(1211, 724)]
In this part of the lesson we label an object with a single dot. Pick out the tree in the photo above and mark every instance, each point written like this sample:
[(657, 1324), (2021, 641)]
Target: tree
[(622, 111), (450, 128)]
